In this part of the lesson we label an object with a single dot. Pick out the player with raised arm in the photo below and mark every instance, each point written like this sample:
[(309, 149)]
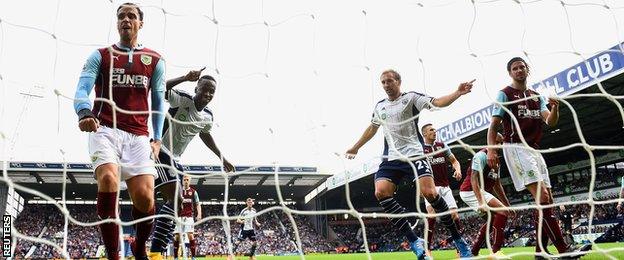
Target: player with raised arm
[(398, 113), (526, 166), (490, 193), (439, 163), (248, 227), (127, 74), (192, 118)]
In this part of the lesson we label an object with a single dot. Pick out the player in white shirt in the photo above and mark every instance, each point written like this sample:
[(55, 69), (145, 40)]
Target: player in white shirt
[(398, 113), (248, 228), (194, 119)]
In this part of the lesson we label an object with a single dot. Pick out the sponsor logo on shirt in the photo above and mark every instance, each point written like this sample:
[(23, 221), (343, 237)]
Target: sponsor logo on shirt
[(125, 80), (437, 160), (525, 112)]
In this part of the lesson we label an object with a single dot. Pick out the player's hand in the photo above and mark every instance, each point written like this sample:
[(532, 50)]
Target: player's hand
[(88, 124), (228, 166), (482, 209), (619, 207), (193, 75), (457, 175), (155, 144), (351, 153), (240, 221), (198, 217), (465, 87), (258, 224), (554, 104), (492, 158)]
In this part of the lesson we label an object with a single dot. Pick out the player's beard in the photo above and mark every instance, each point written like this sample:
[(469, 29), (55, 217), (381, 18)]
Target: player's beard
[(521, 80)]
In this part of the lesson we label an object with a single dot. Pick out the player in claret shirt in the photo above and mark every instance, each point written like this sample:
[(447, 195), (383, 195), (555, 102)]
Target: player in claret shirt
[(189, 213), (526, 166), (125, 74), (491, 193), (439, 165)]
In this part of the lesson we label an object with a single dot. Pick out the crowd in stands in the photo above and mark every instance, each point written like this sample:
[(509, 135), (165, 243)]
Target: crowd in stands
[(571, 183), (383, 239), (277, 236), (47, 221)]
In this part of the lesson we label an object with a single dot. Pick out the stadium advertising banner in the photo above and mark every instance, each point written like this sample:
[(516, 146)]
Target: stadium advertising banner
[(340, 179), (564, 83), (86, 167)]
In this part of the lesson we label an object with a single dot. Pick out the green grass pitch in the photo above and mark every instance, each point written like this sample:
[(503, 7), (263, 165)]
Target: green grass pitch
[(616, 251)]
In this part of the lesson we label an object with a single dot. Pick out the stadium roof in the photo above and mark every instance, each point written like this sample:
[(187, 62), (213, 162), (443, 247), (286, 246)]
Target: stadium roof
[(250, 181), (600, 119)]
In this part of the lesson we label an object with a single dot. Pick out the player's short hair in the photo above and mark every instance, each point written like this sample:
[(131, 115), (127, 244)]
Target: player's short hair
[(208, 77), (422, 129), (514, 59), (133, 5), (394, 73), (248, 199)]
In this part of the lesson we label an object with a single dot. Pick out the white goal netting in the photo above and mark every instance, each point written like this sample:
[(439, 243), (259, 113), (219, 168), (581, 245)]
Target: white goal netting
[(297, 81)]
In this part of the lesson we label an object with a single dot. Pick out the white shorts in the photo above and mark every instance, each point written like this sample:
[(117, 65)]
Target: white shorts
[(187, 225), (525, 166), (447, 194), (131, 152), (470, 198)]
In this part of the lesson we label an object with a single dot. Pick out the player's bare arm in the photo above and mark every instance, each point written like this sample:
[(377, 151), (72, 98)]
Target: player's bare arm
[(192, 75), (457, 174), (463, 89), (551, 118), (370, 131), (500, 194), (210, 143), (476, 188), (198, 209), (492, 154)]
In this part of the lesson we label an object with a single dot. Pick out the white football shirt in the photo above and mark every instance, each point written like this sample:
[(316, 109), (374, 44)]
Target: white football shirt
[(248, 225), (192, 122), (399, 120)]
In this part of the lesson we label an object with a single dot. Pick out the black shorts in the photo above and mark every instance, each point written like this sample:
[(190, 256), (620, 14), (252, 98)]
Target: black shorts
[(396, 170), (244, 234), (167, 174)]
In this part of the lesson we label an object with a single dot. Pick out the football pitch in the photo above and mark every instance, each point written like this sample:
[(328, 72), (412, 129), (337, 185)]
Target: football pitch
[(616, 251)]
